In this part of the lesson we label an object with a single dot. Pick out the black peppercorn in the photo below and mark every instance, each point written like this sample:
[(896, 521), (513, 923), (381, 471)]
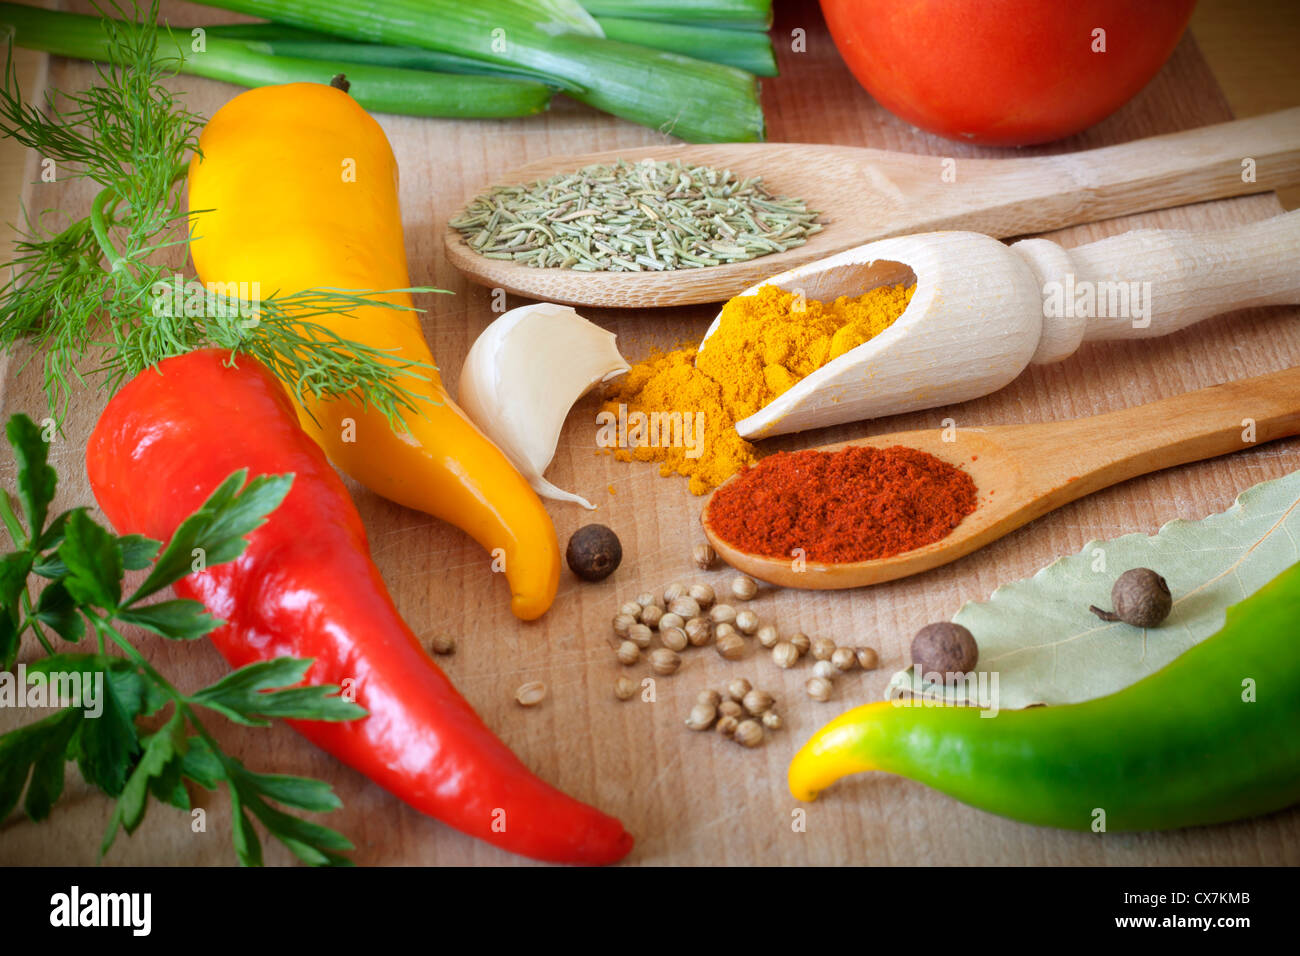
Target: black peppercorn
[(594, 552), (944, 648), (1141, 598)]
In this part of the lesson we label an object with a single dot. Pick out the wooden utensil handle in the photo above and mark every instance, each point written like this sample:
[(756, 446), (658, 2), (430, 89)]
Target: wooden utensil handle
[(1152, 282), (1106, 449)]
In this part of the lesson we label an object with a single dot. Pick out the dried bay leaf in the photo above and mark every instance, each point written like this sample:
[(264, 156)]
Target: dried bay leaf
[(1038, 636)]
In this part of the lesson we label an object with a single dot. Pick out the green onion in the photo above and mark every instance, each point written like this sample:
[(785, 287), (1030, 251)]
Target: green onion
[(692, 99), (744, 14), (381, 88), (745, 49)]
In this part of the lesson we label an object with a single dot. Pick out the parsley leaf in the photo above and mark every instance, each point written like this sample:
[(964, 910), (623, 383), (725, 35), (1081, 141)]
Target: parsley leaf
[(36, 479), (245, 696)]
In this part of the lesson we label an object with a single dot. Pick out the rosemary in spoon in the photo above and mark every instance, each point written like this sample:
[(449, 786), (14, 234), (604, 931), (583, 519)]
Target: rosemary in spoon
[(93, 284)]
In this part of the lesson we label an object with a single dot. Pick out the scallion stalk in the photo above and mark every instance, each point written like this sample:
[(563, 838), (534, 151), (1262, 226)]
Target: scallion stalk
[(744, 14), (413, 92), (749, 50), (693, 99)]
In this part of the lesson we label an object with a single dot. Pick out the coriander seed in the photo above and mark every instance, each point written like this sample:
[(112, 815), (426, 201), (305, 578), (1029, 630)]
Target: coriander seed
[(825, 670), (731, 708), (646, 598), (748, 733), (701, 717), (622, 623), (702, 595), (625, 688), (726, 725), (628, 653), (819, 688), (844, 659), (671, 620), (704, 556), (868, 659), (632, 609), (443, 644), (530, 694), (729, 644), (737, 688), (639, 634), (673, 592), (772, 720), (651, 615), (685, 607), (673, 638), (823, 648), (801, 642), (784, 655), (710, 697), (664, 661), (743, 587), (747, 622), (768, 635), (757, 702), (722, 614), (699, 631)]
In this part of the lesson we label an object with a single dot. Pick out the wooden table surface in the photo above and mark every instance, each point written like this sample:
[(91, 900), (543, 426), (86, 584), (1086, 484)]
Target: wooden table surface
[(695, 798)]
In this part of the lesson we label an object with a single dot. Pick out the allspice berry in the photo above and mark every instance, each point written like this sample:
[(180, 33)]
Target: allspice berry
[(594, 552), (704, 556), (1140, 597), (748, 733), (944, 648)]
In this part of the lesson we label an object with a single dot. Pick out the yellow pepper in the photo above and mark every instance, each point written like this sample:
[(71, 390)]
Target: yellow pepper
[(296, 189)]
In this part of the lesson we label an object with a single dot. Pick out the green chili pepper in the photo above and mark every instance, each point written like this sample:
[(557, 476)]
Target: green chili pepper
[(1214, 736)]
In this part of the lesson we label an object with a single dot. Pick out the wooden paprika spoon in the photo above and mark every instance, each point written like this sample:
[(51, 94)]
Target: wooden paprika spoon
[(1022, 472), (868, 194)]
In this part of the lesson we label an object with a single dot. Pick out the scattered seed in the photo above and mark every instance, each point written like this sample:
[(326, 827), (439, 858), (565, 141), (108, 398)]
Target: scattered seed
[(639, 634), (651, 615), (722, 614), (729, 644), (710, 697), (844, 659), (757, 702), (772, 720), (443, 644), (699, 631), (594, 552), (819, 688), (685, 607), (868, 659), (645, 599), (701, 717), (628, 653), (531, 694), (747, 622), (785, 655), (671, 620), (632, 609), (625, 688), (825, 670), (743, 587), (702, 595), (823, 648), (665, 661), (801, 642), (673, 592), (748, 733), (623, 623), (768, 635), (704, 556), (737, 688), (727, 725), (673, 638), (731, 708)]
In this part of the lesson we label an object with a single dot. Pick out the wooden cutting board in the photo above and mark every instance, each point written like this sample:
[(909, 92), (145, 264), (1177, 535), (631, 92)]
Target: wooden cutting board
[(695, 798)]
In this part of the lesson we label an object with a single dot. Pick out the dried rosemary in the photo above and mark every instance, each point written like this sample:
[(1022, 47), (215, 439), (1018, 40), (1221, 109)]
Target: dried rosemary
[(634, 217)]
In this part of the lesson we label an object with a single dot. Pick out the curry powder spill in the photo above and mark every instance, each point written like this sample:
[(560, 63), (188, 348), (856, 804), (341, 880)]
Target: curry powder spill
[(856, 504), (764, 344)]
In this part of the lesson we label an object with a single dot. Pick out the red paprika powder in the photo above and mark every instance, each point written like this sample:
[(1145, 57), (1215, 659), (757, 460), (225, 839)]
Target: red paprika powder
[(855, 504)]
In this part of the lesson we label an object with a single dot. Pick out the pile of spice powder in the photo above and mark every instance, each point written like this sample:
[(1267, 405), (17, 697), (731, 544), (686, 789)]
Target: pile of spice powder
[(634, 217), (763, 345), (855, 504)]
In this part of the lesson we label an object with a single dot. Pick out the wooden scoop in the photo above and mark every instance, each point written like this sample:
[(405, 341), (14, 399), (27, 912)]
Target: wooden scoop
[(868, 194), (983, 311), (1022, 472)]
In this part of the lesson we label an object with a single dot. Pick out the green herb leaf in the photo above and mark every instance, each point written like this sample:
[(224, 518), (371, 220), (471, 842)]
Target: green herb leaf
[(36, 479), (216, 531), (245, 696), (35, 751), (312, 843), (159, 750), (138, 551), (179, 619), (201, 765), (1046, 647), (53, 534), (302, 793), (57, 610), (94, 562)]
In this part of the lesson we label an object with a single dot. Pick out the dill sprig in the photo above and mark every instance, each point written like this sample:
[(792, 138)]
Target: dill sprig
[(93, 283)]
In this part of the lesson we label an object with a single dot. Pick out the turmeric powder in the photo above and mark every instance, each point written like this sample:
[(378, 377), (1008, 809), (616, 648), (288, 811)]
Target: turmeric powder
[(763, 345)]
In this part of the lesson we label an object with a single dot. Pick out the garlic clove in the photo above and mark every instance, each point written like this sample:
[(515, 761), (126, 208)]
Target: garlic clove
[(523, 375)]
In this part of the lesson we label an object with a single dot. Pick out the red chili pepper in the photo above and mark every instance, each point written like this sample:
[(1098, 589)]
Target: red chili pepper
[(306, 587)]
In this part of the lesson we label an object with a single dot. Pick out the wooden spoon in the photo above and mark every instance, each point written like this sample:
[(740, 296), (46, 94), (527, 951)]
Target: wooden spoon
[(983, 311), (867, 194), (1022, 472)]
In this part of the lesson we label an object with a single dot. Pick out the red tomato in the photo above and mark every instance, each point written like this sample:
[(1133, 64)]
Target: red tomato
[(1005, 72)]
